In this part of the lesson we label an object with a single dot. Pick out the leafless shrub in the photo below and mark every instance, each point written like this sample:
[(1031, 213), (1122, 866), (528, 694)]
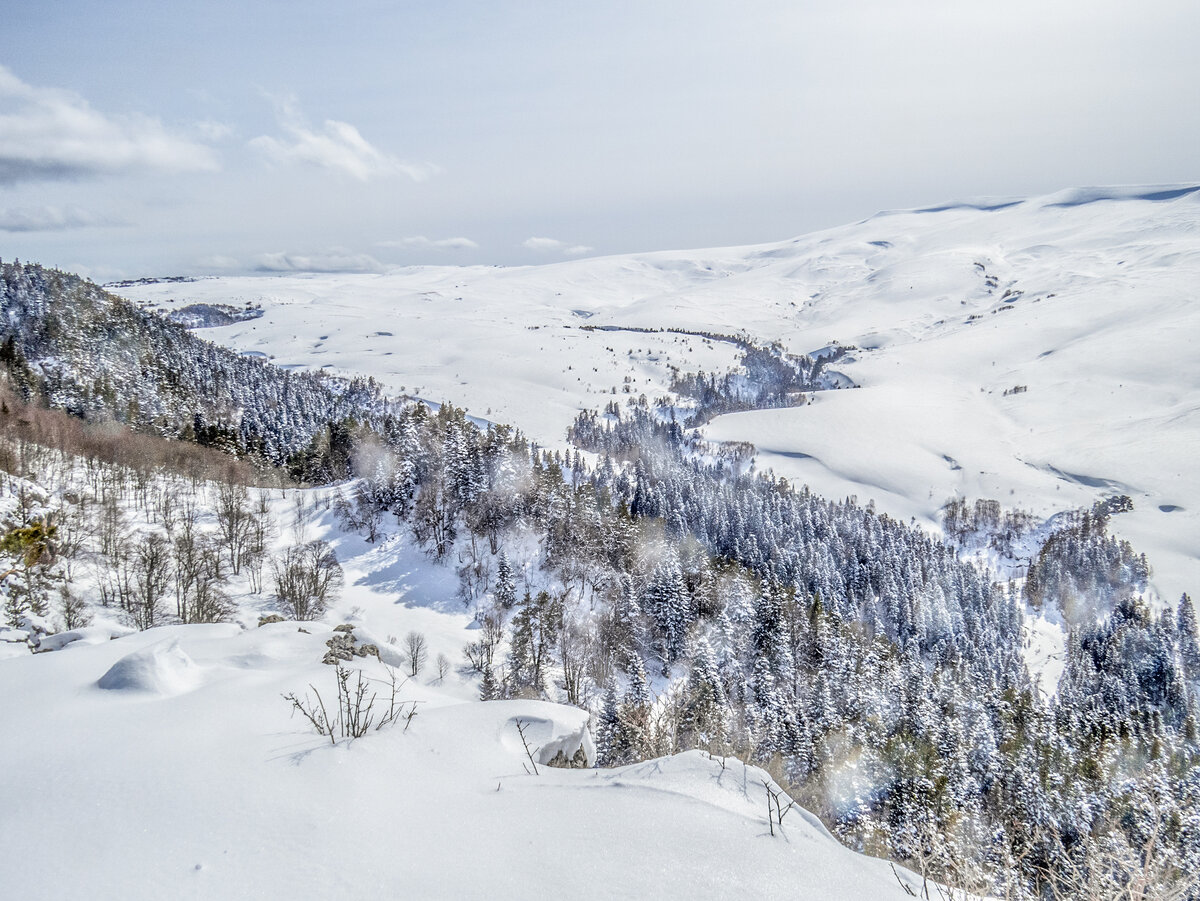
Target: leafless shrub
[(356, 710), (307, 578)]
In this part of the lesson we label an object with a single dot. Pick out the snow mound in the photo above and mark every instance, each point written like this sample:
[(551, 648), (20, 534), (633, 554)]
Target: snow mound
[(552, 737), (163, 669), (450, 790), (550, 729)]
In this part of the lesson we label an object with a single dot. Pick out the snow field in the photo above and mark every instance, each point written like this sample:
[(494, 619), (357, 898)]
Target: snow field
[(1083, 299)]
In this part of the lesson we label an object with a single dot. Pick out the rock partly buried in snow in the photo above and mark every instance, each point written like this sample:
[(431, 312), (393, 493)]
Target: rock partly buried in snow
[(557, 735), (163, 669), (343, 646)]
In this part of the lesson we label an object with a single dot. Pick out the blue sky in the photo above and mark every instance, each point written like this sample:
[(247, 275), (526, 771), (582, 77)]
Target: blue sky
[(143, 138)]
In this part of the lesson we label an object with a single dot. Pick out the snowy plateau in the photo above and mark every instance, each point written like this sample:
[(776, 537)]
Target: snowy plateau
[(1040, 352), (1085, 300)]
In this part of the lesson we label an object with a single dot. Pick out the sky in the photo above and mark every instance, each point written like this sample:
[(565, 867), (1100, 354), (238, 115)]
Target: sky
[(145, 138)]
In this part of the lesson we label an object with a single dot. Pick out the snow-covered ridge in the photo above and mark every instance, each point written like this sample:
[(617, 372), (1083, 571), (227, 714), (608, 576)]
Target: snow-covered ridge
[(1083, 300)]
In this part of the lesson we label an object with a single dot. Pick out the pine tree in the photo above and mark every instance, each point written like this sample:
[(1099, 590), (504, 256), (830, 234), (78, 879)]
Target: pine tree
[(704, 710), (667, 602), (629, 632), (609, 747), (635, 714), (506, 587), (1188, 636), (489, 689)]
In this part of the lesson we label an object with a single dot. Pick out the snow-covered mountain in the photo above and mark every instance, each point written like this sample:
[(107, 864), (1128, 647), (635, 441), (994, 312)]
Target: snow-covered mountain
[(1036, 351)]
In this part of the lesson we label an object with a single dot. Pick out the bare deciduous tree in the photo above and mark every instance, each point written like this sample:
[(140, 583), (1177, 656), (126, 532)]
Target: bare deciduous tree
[(416, 649), (233, 522), (262, 528), (307, 578), (151, 578)]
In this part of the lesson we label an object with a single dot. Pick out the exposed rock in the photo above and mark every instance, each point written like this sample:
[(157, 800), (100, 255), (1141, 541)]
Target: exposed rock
[(577, 761), (342, 646)]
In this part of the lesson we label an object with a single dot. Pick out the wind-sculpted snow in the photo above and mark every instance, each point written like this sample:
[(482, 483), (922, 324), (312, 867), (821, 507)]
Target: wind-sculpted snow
[(163, 669), (549, 729), (217, 793)]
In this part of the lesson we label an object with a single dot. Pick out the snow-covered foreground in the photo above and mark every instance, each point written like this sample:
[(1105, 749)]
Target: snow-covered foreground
[(1039, 352), (166, 764), (169, 764)]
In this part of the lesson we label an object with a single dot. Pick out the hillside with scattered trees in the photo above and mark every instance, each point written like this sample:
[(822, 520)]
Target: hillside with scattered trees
[(659, 583)]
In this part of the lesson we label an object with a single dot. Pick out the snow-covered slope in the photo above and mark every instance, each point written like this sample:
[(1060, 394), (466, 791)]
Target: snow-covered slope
[(1038, 351), (167, 764)]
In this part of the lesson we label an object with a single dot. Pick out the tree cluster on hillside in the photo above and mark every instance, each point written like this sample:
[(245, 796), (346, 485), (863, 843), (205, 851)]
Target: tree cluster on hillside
[(768, 377), (1083, 571), (71, 345), (159, 531), (858, 657)]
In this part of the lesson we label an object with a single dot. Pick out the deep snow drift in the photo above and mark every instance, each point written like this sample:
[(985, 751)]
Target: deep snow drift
[(1038, 351)]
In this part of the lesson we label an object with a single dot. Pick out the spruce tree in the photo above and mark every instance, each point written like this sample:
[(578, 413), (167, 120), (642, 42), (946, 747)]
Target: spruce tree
[(506, 587)]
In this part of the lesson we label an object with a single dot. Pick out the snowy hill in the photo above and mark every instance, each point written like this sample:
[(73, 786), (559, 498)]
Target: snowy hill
[(166, 763), (1035, 351), (232, 799), (1032, 351)]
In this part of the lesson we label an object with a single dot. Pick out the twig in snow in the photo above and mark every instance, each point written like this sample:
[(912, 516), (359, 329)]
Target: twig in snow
[(528, 753)]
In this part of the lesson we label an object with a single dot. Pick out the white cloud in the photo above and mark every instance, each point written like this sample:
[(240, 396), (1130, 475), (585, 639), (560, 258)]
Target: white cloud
[(334, 260), (212, 130), (50, 218), (338, 146), (553, 245), (219, 263), (420, 242), (48, 133), (543, 245)]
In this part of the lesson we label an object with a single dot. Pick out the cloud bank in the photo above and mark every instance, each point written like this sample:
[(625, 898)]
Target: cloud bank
[(50, 218), (335, 260), (48, 133), (420, 242)]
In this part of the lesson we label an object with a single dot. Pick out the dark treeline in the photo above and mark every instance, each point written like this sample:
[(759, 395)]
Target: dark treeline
[(68, 344)]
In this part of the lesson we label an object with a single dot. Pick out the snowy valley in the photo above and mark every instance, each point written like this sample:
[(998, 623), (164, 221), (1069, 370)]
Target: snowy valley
[(895, 519), (1034, 351)]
